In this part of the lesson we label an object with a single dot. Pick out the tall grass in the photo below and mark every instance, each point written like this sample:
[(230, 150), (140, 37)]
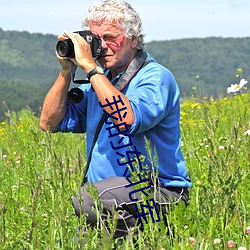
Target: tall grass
[(40, 172)]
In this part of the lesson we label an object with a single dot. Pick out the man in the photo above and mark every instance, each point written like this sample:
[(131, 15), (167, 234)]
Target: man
[(141, 100)]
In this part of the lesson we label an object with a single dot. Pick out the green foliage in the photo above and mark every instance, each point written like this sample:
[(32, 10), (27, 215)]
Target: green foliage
[(204, 67), (28, 68), (28, 58), (14, 95), (36, 184), (208, 62), (40, 172)]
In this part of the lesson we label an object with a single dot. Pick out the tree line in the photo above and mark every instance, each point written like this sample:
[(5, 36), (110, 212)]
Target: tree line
[(202, 67)]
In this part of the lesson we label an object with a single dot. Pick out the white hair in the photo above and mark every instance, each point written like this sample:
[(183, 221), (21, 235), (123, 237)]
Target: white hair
[(120, 13)]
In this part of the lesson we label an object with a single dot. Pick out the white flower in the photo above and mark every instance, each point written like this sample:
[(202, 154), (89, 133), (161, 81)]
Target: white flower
[(237, 87), (217, 241), (246, 133), (242, 248), (22, 210)]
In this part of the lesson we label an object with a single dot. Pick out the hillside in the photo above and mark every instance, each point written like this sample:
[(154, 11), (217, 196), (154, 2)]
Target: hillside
[(28, 57), (211, 63), (28, 66)]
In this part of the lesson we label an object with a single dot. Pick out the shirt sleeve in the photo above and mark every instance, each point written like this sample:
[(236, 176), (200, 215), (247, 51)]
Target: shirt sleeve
[(75, 118), (153, 97)]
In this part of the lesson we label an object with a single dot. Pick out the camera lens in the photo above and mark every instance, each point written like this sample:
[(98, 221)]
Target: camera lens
[(65, 48), (75, 95)]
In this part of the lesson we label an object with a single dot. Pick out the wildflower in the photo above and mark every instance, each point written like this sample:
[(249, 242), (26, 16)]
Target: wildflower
[(195, 106), (230, 244), (198, 182), (14, 188), (247, 133), (45, 216), (192, 240), (221, 147), (216, 241), (240, 70), (237, 87), (248, 230), (242, 248)]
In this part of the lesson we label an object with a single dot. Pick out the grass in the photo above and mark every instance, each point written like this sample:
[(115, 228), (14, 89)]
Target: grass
[(40, 172)]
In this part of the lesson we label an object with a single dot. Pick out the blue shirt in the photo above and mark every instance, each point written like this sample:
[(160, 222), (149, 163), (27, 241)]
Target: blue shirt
[(154, 97)]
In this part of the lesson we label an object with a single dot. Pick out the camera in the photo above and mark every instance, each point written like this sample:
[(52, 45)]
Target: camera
[(65, 48)]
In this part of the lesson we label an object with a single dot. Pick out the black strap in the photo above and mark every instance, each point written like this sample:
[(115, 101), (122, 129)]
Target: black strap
[(136, 64), (97, 132)]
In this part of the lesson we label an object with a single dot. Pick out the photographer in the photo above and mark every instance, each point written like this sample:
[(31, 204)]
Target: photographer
[(141, 100)]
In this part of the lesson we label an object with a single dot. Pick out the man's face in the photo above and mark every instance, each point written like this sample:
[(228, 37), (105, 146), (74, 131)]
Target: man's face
[(118, 50)]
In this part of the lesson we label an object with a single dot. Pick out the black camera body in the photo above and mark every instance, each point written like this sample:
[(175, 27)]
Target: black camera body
[(65, 48)]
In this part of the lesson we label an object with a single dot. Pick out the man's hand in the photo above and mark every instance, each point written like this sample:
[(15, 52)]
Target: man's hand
[(66, 63), (83, 54)]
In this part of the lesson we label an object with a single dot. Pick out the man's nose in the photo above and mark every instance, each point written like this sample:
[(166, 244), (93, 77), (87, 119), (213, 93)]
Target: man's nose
[(104, 44)]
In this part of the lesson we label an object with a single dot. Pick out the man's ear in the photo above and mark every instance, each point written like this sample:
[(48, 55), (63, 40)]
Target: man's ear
[(134, 42)]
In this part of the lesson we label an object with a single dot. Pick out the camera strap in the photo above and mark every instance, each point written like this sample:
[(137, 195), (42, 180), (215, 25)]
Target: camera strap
[(136, 64)]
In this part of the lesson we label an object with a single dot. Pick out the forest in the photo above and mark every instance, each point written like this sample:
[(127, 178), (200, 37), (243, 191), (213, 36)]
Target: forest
[(202, 67)]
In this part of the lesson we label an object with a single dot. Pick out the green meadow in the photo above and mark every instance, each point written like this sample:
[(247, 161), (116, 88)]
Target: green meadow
[(40, 172)]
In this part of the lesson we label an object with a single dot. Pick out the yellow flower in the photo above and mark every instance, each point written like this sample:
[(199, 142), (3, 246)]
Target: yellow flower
[(240, 70), (195, 105)]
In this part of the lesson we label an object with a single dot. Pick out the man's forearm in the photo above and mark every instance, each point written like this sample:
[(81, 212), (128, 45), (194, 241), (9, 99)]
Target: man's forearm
[(55, 103)]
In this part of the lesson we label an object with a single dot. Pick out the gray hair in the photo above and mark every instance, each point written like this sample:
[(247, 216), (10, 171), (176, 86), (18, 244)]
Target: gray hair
[(120, 13)]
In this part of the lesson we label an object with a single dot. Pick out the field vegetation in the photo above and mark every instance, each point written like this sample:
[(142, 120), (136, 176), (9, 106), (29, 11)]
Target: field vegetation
[(40, 172)]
